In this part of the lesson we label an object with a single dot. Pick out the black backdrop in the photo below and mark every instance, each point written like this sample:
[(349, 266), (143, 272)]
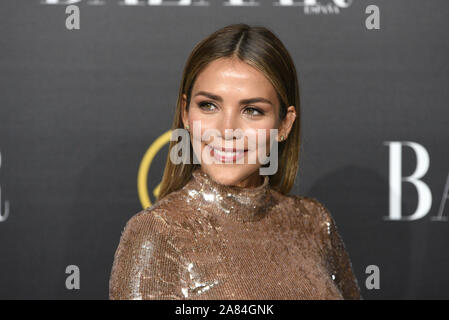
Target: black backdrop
[(80, 108)]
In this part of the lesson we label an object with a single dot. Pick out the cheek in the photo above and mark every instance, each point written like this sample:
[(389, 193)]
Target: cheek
[(203, 131), (265, 125), (193, 116), (206, 121)]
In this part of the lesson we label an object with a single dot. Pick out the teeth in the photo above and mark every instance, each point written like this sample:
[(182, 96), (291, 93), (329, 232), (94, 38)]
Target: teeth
[(227, 154)]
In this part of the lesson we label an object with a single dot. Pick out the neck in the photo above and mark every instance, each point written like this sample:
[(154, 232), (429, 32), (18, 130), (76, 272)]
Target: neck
[(233, 202), (253, 181)]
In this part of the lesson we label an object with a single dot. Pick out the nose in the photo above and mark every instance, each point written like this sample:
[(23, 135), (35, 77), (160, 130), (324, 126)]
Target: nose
[(228, 124)]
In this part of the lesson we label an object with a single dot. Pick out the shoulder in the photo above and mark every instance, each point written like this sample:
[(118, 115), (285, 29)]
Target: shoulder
[(313, 213), (146, 225), (306, 210), (308, 205), (152, 226), (314, 206), (161, 217)]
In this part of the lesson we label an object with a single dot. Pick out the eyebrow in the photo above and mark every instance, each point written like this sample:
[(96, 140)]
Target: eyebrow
[(243, 101)]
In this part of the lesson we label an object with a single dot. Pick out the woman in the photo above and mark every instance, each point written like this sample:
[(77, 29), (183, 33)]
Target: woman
[(220, 229)]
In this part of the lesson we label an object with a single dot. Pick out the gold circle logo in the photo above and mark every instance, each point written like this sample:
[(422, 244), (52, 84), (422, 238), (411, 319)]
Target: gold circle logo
[(144, 168)]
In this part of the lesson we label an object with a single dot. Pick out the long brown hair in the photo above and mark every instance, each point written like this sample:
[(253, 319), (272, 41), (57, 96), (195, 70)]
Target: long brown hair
[(260, 48)]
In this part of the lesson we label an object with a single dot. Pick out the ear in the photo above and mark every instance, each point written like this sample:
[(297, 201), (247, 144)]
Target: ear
[(184, 112), (287, 123)]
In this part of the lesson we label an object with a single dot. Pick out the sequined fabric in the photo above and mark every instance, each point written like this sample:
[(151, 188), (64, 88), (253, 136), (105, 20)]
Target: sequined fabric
[(211, 241)]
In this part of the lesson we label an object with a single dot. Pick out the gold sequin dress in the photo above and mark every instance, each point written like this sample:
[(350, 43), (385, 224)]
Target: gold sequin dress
[(211, 241)]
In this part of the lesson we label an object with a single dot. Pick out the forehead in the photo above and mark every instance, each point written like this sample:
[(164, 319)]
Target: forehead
[(227, 76)]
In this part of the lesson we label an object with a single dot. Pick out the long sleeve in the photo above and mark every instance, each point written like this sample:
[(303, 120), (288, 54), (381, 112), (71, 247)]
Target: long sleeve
[(336, 255), (145, 263)]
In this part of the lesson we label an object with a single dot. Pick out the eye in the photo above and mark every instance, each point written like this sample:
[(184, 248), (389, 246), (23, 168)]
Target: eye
[(253, 112), (207, 106)]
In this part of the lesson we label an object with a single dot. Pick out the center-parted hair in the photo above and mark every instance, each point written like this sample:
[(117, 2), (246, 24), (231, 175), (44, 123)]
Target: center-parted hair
[(260, 48)]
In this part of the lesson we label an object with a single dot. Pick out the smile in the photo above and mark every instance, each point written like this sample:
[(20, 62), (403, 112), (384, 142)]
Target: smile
[(226, 154)]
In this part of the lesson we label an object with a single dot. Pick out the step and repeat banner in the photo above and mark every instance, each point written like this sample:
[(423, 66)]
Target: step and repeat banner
[(88, 92)]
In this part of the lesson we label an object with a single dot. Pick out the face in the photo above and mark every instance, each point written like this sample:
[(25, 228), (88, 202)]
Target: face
[(231, 95)]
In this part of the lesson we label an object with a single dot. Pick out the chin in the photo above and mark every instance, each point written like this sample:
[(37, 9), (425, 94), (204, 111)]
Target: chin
[(229, 174)]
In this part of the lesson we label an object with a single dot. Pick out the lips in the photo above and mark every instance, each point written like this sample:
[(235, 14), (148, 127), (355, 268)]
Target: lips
[(226, 154)]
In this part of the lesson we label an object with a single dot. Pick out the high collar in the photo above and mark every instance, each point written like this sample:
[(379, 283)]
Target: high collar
[(237, 203)]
